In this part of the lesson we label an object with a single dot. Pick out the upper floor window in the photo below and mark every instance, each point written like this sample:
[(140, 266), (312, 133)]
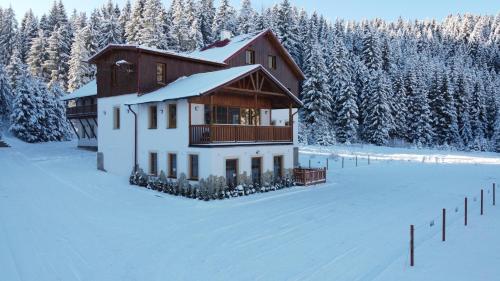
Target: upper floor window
[(250, 57), (116, 118), (161, 73), (153, 117), (271, 62), (172, 116)]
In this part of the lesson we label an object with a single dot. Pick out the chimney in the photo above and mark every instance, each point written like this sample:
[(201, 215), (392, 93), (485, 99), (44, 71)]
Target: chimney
[(225, 34)]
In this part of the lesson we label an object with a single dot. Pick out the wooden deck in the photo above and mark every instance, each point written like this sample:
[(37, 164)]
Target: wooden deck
[(210, 134), (310, 176), (82, 111)]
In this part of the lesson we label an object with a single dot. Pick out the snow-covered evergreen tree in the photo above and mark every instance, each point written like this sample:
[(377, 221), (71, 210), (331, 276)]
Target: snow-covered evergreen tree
[(224, 20), (153, 32), (179, 30), (378, 118), (13, 69), (287, 30), (420, 131), (462, 95), (135, 25), (246, 23), (27, 32), (371, 53), (8, 35), (80, 72), (125, 16), (110, 26), (58, 50), (206, 17), (5, 95), (38, 55)]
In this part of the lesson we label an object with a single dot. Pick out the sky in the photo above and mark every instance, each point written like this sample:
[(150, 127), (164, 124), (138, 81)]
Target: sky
[(332, 9)]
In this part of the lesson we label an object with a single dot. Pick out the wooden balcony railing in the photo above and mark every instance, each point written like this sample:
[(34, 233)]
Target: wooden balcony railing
[(309, 176), (81, 111), (209, 134)]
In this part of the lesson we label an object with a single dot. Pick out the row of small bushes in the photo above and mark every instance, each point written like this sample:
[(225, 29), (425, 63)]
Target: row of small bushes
[(213, 187)]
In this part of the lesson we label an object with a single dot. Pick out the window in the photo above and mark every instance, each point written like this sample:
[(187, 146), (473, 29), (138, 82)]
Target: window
[(116, 117), (232, 172), (153, 163), (153, 117), (250, 57), (278, 167), (250, 116), (256, 169), (161, 71), (193, 167), (271, 62), (221, 115), (234, 115), (172, 165), (172, 116)]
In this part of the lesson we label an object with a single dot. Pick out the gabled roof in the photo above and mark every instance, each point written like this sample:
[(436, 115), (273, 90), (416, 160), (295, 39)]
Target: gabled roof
[(204, 83), (150, 50), (87, 90), (222, 51)]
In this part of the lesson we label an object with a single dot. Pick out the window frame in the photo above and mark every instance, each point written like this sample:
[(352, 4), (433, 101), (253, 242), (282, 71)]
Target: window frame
[(116, 117), (249, 56), (171, 122), (164, 74), (172, 170), (153, 122), (153, 172), (271, 62), (190, 166)]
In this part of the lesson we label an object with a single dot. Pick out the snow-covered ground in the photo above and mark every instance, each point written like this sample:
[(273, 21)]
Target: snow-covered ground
[(60, 219)]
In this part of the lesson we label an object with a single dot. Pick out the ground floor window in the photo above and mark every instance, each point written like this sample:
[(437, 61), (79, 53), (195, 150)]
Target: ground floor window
[(256, 169), (193, 167), (153, 163), (172, 165), (232, 172), (278, 167)]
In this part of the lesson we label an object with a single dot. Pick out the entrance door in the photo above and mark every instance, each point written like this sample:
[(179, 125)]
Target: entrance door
[(256, 169), (232, 172), (278, 167)]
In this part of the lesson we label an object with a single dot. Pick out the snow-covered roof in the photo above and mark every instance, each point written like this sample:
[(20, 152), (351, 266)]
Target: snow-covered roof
[(87, 90), (153, 50), (228, 49), (202, 83)]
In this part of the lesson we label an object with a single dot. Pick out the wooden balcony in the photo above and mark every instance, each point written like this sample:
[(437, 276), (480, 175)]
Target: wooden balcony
[(82, 111), (227, 134)]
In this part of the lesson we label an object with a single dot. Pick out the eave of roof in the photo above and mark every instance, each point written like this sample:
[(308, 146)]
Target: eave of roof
[(87, 90), (155, 51)]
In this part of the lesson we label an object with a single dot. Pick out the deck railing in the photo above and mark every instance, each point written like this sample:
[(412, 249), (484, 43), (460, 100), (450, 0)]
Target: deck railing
[(209, 134), (309, 176), (82, 110)]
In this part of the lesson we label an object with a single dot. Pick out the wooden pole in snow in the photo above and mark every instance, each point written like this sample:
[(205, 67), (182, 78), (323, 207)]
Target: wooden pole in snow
[(356, 160), (342, 162), (494, 194), (444, 225), (482, 192), (465, 212), (412, 250), (327, 163)]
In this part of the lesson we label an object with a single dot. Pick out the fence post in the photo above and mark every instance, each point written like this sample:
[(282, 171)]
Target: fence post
[(412, 252), (444, 225), (494, 194), (368, 159), (342, 162), (465, 212), (309, 163), (482, 202), (356, 160), (327, 163)]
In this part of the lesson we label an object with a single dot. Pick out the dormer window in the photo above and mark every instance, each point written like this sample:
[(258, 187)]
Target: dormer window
[(271, 61), (161, 73), (250, 57)]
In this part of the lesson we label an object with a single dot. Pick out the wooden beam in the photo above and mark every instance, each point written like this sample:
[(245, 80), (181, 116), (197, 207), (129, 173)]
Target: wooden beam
[(253, 82), (251, 92), (261, 83)]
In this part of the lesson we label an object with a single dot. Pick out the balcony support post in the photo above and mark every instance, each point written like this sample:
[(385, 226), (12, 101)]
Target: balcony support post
[(189, 123)]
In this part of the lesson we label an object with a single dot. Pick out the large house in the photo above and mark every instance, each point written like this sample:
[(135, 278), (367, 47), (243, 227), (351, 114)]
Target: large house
[(223, 110)]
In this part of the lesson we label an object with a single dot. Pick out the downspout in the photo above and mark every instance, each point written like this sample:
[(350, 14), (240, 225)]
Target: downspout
[(135, 137)]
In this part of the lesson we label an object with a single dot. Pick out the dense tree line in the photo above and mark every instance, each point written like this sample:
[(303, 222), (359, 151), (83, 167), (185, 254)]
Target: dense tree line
[(425, 83)]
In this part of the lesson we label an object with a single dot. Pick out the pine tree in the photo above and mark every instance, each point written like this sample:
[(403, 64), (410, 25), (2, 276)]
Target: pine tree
[(315, 94), (8, 35), (27, 32), (79, 73), (378, 121), (125, 16), (58, 49), (153, 32), (206, 19), (27, 110), (136, 23), (246, 17), (180, 28), (225, 20), (110, 26), (5, 95), (462, 94), (195, 37), (372, 56), (496, 136), (287, 30), (399, 108), (420, 130), (57, 128), (478, 115), (13, 69), (38, 55)]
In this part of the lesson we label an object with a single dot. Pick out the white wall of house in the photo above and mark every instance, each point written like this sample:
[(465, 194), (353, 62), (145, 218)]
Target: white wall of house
[(117, 145)]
